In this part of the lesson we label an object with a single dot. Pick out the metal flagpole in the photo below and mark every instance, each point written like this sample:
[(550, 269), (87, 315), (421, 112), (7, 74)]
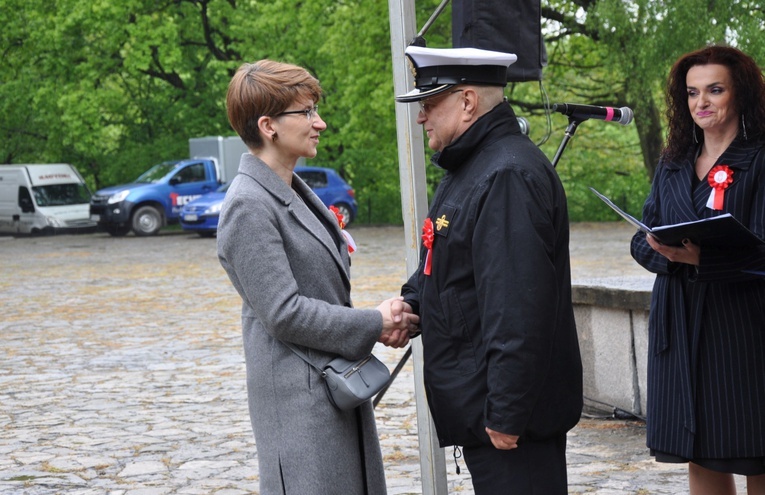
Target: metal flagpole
[(414, 203)]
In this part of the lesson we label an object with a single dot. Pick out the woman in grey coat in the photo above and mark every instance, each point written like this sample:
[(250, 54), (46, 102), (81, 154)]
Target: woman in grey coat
[(288, 258)]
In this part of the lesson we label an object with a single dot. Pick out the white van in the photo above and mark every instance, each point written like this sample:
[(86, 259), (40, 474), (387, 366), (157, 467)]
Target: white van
[(43, 199)]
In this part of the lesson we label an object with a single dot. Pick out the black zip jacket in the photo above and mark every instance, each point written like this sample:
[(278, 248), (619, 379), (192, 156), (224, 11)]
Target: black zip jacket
[(499, 337)]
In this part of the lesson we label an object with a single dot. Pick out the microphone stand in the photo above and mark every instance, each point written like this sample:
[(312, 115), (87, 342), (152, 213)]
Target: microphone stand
[(570, 130)]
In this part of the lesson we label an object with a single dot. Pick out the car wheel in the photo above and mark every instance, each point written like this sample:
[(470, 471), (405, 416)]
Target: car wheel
[(346, 212), (146, 221)]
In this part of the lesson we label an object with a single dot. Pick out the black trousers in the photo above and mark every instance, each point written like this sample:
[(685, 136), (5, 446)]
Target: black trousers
[(534, 468)]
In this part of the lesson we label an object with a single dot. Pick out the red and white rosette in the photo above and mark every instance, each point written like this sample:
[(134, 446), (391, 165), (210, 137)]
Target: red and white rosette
[(427, 241), (341, 223), (720, 177)]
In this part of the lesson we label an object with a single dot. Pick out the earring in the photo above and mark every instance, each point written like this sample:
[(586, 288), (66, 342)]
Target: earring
[(274, 137), (743, 126), (695, 140)]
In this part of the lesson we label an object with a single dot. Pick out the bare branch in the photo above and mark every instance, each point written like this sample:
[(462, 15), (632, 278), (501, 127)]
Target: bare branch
[(171, 77), (209, 31)]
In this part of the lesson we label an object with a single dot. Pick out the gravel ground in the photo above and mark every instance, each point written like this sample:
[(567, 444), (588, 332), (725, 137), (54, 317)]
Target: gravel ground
[(122, 370)]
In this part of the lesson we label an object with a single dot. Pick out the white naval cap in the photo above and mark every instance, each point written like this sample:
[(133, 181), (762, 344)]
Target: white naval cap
[(438, 69)]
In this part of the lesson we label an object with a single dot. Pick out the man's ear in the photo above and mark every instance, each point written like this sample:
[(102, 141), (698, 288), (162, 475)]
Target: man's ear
[(470, 101)]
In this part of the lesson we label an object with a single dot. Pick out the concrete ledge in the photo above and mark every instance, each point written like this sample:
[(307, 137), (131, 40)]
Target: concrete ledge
[(636, 298), (612, 323)]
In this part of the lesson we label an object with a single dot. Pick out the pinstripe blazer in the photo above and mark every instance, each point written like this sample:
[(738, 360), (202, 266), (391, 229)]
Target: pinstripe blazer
[(706, 362)]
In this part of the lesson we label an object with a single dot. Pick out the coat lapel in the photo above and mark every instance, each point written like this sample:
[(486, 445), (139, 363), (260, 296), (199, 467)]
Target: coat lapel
[(738, 156), (678, 187), (319, 227), (260, 172)]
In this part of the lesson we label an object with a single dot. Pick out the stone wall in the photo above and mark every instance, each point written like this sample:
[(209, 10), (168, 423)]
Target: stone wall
[(613, 335)]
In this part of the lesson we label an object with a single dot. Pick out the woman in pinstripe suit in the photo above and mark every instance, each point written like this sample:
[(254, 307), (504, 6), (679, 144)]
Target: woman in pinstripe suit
[(706, 363)]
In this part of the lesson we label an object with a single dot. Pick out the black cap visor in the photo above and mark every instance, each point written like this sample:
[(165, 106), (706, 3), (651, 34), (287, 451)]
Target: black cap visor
[(418, 94), (431, 81)]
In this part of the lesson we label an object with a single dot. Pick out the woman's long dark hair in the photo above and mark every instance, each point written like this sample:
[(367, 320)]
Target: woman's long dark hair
[(748, 93)]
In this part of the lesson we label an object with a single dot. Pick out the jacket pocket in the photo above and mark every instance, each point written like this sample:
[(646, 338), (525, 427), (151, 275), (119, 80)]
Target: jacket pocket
[(458, 330)]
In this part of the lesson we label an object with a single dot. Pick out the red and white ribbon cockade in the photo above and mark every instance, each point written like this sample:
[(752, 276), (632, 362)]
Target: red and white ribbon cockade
[(720, 177), (341, 223), (427, 241)]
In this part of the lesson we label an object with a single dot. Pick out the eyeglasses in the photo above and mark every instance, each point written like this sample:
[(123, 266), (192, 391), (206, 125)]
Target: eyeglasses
[(309, 113), (427, 104)]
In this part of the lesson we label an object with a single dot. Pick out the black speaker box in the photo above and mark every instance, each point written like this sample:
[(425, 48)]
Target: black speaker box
[(512, 26)]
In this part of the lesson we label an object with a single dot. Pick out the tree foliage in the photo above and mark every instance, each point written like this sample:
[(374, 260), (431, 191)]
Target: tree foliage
[(618, 53), (114, 87)]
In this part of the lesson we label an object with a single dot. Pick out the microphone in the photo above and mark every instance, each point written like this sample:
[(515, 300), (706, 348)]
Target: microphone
[(621, 115)]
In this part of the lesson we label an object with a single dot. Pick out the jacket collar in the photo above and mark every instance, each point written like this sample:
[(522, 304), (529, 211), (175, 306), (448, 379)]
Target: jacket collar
[(738, 155), (499, 121)]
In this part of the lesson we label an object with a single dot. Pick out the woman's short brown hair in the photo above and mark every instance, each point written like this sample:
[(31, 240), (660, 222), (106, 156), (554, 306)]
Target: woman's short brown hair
[(266, 88)]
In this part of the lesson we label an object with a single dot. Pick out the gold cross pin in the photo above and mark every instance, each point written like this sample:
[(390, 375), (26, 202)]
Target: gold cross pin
[(442, 222)]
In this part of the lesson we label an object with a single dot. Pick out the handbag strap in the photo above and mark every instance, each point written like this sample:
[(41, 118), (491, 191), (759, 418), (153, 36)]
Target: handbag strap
[(304, 357)]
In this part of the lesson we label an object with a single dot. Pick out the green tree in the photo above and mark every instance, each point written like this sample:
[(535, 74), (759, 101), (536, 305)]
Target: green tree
[(114, 87), (618, 53), (115, 84)]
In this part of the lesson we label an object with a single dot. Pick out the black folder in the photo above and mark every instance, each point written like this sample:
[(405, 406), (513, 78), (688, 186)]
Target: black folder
[(719, 231)]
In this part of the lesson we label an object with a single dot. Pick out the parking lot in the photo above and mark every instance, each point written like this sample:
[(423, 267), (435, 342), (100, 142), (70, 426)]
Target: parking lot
[(122, 371)]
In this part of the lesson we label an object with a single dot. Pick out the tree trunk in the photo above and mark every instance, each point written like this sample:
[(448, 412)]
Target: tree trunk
[(648, 124)]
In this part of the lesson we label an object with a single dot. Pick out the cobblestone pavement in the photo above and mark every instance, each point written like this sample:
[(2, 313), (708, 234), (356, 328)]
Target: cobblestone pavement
[(122, 371)]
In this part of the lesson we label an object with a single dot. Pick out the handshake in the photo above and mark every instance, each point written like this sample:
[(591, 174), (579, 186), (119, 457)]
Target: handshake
[(399, 322)]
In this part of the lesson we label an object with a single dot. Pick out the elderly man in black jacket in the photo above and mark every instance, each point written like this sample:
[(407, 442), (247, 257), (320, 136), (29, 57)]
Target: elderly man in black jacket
[(503, 372)]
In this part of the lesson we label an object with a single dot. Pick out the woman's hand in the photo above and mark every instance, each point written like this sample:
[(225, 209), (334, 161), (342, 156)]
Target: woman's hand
[(398, 322), (688, 253)]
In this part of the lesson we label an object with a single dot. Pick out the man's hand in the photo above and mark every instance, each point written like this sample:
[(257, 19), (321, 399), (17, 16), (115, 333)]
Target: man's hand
[(398, 322), (502, 441)]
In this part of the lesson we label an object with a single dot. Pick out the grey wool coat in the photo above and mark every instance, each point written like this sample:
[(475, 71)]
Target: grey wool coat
[(287, 258)]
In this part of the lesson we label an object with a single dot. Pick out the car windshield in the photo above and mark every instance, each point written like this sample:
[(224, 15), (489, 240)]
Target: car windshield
[(61, 194), (155, 173)]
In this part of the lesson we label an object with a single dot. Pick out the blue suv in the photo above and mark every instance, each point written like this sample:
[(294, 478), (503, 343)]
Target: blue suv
[(201, 215), (331, 190)]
